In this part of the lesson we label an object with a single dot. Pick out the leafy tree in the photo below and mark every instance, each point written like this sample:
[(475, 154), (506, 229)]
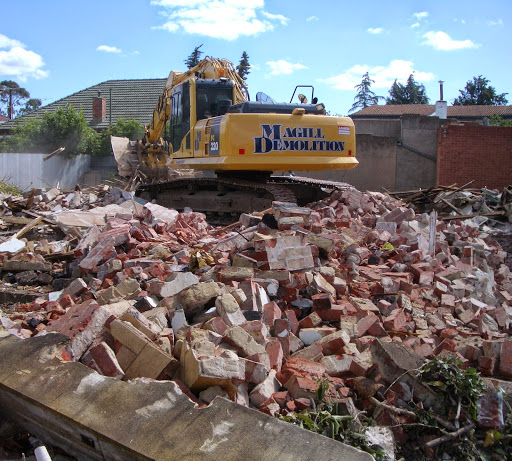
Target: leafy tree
[(194, 58), (478, 91), (244, 67), (66, 127), (31, 105), (128, 128), (410, 93), (11, 96), (496, 120), (365, 97)]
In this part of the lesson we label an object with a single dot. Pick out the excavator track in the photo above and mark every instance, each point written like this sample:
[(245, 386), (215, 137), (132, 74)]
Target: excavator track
[(223, 199)]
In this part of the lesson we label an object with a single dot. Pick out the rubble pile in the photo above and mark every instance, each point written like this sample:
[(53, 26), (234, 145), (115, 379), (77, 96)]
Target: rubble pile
[(452, 202), (353, 292)]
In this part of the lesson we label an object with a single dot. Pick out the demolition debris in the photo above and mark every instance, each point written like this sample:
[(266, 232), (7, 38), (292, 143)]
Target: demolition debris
[(349, 296)]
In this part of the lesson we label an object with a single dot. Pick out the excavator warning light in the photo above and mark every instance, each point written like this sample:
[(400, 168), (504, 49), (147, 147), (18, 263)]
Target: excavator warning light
[(299, 111)]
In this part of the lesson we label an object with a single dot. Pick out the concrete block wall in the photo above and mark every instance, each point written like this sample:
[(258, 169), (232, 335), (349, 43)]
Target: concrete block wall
[(474, 152), (415, 171), (376, 169)]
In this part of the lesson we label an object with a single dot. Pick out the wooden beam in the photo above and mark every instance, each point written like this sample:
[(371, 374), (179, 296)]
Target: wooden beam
[(54, 153), (29, 226)]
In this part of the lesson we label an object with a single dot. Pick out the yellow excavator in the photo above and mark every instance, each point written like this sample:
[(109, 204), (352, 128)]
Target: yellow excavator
[(204, 123)]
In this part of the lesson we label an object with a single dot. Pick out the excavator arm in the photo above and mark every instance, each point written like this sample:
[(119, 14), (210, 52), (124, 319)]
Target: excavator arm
[(151, 152), (207, 68)]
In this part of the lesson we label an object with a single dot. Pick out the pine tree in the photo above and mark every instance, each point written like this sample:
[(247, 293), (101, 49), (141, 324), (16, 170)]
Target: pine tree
[(410, 93), (480, 92), (244, 67), (365, 97), (194, 58)]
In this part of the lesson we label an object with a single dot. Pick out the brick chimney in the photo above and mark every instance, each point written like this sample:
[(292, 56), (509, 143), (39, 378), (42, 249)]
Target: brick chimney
[(99, 108)]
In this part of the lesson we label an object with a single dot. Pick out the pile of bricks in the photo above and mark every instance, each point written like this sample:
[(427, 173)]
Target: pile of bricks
[(340, 291)]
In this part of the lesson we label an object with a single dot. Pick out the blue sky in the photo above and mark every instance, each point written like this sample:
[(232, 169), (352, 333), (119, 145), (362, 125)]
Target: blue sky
[(57, 47)]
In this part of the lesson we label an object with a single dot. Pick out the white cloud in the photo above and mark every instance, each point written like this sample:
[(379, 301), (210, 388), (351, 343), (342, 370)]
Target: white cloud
[(276, 17), (18, 62), (283, 67), (108, 49), (312, 18), (499, 22), (6, 42), (224, 19), (462, 21), (419, 18), (376, 30), (442, 41), (421, 15), (383, 76)]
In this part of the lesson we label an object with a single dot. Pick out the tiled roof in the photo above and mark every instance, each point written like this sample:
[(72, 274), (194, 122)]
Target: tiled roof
[(467, 112), (130, 99)]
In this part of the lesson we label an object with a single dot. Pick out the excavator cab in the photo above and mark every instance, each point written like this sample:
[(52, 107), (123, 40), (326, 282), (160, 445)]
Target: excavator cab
[(194, 100)]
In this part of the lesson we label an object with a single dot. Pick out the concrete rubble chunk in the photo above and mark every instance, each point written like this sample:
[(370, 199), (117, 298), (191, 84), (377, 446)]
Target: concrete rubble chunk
[(229, 310), (203, 372), (242, 341), (263, 391), (395, 362), (287, 252), (195, 297), (180, 281)]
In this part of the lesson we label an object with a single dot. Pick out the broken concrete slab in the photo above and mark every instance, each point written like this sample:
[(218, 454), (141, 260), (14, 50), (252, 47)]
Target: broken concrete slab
[(53, 398)]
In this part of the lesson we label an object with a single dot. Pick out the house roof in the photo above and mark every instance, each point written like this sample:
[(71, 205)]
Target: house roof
[(130, 99), (466, 112)]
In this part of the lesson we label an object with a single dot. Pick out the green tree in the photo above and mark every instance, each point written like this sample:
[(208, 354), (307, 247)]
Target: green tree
[(11, 96), (478, 91), (31, 105), (194, 58), (365, 97), (66, 127), (410, 93), (127, 128), (496, 120), (244, 67)]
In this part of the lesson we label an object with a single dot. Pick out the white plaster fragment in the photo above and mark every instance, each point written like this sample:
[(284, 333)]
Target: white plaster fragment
[(91, 380), (218, 436)]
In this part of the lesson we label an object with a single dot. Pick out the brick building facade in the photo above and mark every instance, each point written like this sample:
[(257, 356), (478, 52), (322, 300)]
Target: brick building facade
[(482, 154)]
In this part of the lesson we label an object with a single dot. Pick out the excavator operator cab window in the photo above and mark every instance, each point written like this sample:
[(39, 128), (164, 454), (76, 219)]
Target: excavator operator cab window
[(180, 115), (213, 97)]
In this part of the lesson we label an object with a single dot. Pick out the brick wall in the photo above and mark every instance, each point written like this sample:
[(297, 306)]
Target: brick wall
[(472, 152)]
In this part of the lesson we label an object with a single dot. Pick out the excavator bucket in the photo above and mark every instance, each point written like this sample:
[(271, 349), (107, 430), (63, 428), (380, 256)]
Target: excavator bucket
[(125, 153)]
